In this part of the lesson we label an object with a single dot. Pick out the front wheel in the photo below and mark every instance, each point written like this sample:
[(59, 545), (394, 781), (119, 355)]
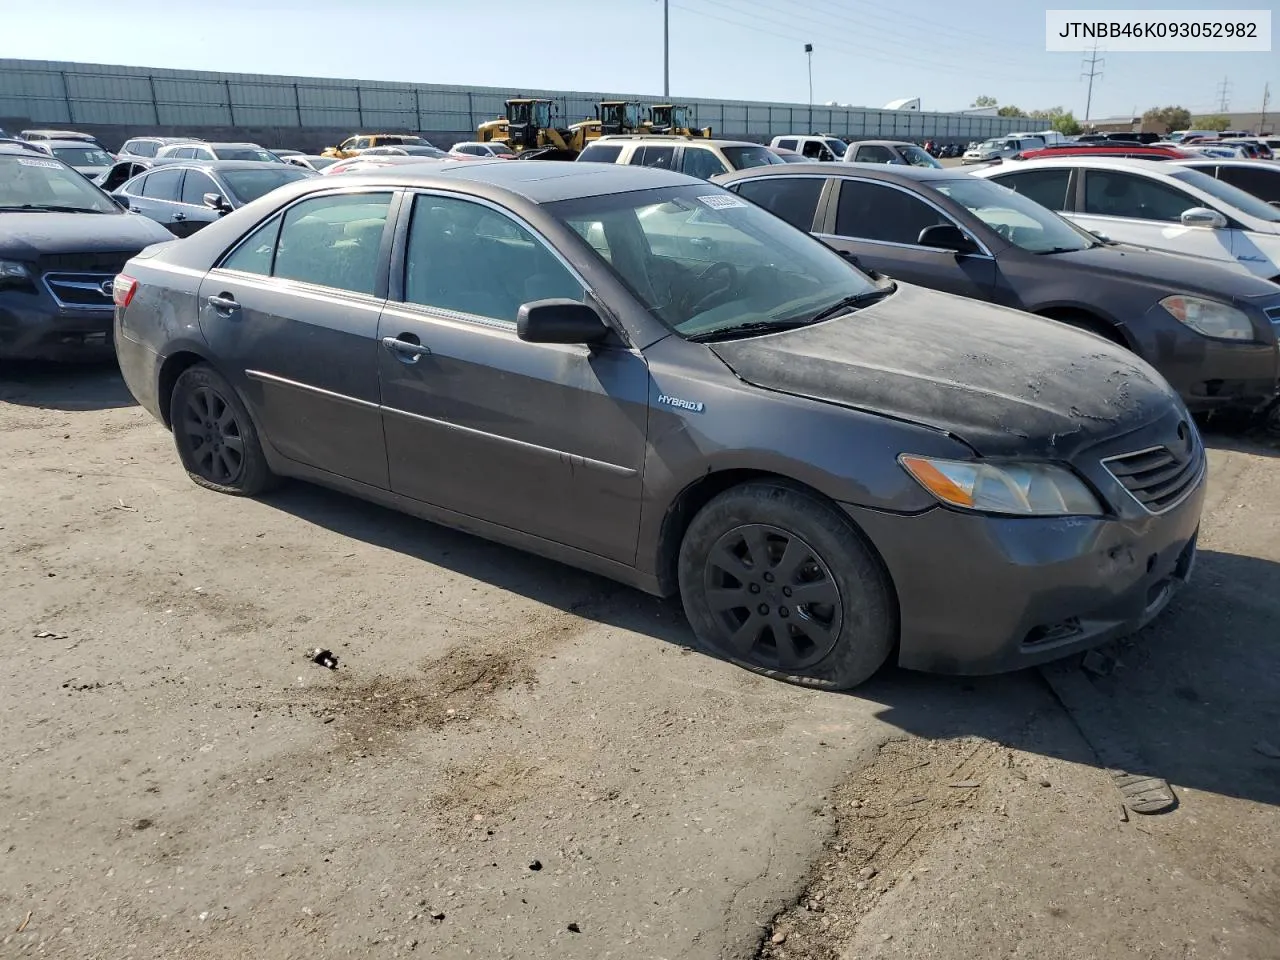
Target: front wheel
[(216, 439), (777, 580)]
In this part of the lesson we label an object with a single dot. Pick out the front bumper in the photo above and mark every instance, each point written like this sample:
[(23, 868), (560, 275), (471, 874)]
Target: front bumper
[(981, 594), (34, 327)]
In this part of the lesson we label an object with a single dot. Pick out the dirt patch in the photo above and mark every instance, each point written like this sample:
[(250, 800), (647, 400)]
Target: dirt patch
[(885, 819), (478, 793)]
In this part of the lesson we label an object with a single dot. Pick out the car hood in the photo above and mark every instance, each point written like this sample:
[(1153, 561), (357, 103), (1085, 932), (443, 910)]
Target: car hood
[(1007, 383), (1169, 272), (28, 236)]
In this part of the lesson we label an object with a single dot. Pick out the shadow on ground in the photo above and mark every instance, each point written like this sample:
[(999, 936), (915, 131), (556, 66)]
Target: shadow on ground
[(1193, 694), (63, 386)]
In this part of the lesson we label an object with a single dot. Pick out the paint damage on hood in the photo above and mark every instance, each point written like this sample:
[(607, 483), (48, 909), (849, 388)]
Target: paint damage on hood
[(1007, 383)]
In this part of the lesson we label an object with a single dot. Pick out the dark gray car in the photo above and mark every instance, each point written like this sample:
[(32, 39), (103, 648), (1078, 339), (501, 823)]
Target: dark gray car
[(1209, 330), (551, 355), (186, 196)]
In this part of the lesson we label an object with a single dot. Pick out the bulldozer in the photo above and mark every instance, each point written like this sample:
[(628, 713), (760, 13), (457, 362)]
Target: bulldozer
[(673, 118), (527, 129), (612, 117)]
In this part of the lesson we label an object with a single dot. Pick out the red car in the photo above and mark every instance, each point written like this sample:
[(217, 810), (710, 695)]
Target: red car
[(1112, 148)]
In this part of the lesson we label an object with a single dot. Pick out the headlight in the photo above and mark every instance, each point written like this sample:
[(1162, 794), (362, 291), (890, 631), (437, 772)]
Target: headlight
[(13, 270), (1017, 489), (1209, 317)]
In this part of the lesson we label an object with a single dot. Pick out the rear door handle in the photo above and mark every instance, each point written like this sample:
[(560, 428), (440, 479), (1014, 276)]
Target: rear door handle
[(179, 215), (224, 303), (406, 350)]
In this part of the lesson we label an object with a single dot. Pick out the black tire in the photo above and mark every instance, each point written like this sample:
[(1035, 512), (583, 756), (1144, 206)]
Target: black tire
[(836, 640), (1090, 324), (215, 436)]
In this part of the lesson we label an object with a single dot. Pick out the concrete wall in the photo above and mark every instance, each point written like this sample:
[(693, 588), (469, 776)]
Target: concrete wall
[(118, 102)]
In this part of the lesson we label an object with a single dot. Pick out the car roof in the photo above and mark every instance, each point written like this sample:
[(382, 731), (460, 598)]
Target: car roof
[(72, 134), (839, 168), (81, 144), (1242, 162), (539, 181), (673, 138), (1110, 163), (217, 166), (883, 143)]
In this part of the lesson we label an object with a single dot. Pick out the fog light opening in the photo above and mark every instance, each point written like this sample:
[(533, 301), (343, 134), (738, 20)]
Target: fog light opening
[(1046, 634)]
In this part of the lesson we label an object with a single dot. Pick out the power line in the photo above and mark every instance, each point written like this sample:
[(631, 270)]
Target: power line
[(1223, 96), (1093, 63)]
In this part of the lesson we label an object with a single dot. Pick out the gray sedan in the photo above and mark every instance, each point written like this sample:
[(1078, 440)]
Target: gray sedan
[(555, 357), (1209, 330)]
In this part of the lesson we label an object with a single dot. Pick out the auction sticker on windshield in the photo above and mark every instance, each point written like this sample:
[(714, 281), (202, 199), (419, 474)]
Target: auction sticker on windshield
[(51, 164), (723, 201)]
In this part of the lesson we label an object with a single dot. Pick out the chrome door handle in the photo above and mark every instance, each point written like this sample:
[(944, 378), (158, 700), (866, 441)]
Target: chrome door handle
[(407, 350), (224, 303)]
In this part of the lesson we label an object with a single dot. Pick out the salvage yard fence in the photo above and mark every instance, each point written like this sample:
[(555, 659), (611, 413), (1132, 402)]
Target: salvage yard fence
[(49, 93)]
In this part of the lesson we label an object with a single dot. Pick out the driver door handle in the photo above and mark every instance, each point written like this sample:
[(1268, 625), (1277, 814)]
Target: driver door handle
[(407, 350), (179, 215), (224, 303)]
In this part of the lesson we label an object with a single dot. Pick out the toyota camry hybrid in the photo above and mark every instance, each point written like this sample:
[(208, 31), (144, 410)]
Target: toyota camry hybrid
[(646, 376)]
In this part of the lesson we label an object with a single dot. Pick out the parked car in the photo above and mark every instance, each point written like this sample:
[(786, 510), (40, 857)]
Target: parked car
[(81, 156), (789, 156), (1207, 329), (1221, 151), (696, 156), (363, 163), (812, 148), (125, 169), (282, 154), (1107, 148), (425, 151), (62, 240), (294, 339), (148, 146), (494, 148), (34, 136), (351, 146), (1179, 136), (888, 151), (1260, 179), (186, 196), (217, 151), (1000, 148), (20, 144), (310, 161), (1160, 205)]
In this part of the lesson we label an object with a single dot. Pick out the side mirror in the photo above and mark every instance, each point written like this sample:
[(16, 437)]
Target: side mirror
[(559, 321), (216, 201), (946, 236), (1102, 236), (1203, 217)]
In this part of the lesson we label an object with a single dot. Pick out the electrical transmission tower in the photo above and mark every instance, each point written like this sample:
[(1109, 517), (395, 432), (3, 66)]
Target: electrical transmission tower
[(1093, 63), (1224, 95)]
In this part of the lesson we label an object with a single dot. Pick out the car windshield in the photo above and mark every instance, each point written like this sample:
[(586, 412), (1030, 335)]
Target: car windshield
[(991, 145), (917, 157), (704, 260), (424, 150), (740, 158), (33, 183), (1246, 203), (249, 185), (83, 156), (321, 162), (1021, 221), (502, 148), (245, 153)]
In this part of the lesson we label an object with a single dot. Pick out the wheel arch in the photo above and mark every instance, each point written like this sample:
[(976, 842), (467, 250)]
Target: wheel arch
[(1090, 320), (175, 364)]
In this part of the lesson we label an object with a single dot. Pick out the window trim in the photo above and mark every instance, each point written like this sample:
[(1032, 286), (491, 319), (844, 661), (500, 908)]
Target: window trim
[(186, 173), (983, 252), (400, 262), (1081, 199), (385, 249), (1069, 198), (182, 179)]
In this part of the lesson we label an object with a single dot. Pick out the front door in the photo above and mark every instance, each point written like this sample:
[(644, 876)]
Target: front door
[(293, 312), (191, 211), (881, 225), (548, 439)]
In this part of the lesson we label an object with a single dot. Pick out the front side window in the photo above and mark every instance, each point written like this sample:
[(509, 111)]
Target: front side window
[(248, 185), (195, 186), (1046, 187), (1016, 217), (333, 241), (872, 211), (163, 185), (916, 157), (874, 153), (469, 258), (654, 156), (1261, 182), (361, 143), (1112, 193), (1224, 191), (761, 270), (701, 163), (601, 153), (742, 158), (816, 150), (256, 252), (794, 199)]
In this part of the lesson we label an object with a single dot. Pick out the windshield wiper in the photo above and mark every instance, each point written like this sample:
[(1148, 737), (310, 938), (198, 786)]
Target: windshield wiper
[(850, 303), (1041, 253), (745, 329), (50, 208)]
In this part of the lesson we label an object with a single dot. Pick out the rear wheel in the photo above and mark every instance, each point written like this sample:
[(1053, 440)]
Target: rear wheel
[(779, 581), (216, 440)]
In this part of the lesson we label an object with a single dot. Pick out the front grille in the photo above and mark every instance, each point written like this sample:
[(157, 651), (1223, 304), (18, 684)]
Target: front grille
[(109, 262), (1160, 477), (84, 290)]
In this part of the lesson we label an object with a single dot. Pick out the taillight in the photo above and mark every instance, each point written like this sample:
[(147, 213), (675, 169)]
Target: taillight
[(122, 289)]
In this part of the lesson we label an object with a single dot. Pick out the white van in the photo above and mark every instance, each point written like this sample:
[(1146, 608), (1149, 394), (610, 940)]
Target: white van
[(1002, 148)]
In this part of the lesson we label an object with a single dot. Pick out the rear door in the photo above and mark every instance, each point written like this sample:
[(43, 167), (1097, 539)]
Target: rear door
[(880, 224), (161, 191), (293, 313), (1263, 180), (793, 199), (547, 439)]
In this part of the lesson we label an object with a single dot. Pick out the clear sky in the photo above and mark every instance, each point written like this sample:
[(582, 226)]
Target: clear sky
[(866, 52)]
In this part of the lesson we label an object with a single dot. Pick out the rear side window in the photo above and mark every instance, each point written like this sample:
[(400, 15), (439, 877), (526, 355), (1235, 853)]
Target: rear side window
[(333, 241), (788, 144), (141, 148), (1046, 187), (1110, 193), (163, 185), (794, 199), (870, 211), (601, 153), (701, 163), (654, 156)]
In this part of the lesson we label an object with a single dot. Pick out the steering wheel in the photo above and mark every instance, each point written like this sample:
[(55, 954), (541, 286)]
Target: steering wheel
[(693, 307)]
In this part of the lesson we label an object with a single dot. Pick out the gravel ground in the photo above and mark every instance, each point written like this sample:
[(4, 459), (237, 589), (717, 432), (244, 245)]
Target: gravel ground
[(515, 759)]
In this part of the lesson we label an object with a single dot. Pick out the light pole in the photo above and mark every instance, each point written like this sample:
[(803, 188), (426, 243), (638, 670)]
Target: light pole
[(666, 50), (808, 52)]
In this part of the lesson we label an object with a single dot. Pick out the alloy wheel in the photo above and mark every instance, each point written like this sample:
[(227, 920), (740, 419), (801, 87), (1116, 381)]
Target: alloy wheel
[(213, 436)]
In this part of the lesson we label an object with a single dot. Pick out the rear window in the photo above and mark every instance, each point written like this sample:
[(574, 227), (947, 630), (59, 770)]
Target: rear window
[(142, 148), (740, 158), (245, 153), (601, 153), (82, 156)]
